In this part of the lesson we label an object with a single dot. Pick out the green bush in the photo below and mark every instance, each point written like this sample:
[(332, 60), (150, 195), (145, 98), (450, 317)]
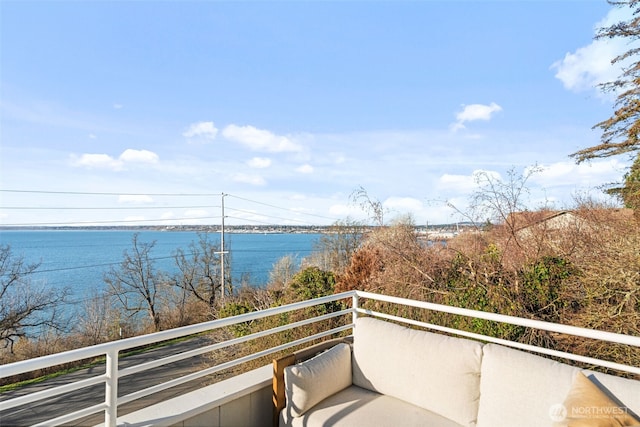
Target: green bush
[(542, 286), (233, 308)]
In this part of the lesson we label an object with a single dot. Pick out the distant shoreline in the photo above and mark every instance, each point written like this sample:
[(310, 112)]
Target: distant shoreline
[(177, 228), (446, 229)]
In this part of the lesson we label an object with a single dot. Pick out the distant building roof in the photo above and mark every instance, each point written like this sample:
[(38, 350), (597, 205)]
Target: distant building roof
[(520, 220)]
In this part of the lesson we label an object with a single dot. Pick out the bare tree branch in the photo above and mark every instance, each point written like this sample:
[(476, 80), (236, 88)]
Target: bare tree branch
[(24, 307)]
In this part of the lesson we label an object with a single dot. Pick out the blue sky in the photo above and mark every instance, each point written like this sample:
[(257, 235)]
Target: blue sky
[(291, 106)]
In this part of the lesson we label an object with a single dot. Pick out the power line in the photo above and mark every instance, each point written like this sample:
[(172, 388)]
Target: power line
[(89, 223), (83, 193), (238, 274), (106, 208), (80, 267), (280, 207), (265, 215), (159, 258), (168, 221), (171, 221)]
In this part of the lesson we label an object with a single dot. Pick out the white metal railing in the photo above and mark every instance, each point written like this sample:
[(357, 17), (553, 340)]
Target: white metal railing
[(112, 350), (630, 340)]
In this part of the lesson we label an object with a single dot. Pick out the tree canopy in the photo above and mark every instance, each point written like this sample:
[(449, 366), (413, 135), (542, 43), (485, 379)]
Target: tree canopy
[(621, 132)]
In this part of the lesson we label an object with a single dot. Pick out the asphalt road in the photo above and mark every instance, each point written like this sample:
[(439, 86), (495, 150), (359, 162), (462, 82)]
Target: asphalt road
[(27, 415)]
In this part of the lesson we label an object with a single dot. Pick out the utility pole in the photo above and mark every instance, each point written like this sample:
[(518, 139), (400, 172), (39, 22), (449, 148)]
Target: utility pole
[(222, 252)]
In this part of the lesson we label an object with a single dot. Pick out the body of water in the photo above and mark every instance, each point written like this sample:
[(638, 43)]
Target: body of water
[(79, 259)]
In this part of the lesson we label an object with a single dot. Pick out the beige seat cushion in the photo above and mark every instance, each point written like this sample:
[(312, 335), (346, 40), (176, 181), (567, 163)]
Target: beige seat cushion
[(357, 407), (313, 380), (431, 371), (525, 390), (520, 389)]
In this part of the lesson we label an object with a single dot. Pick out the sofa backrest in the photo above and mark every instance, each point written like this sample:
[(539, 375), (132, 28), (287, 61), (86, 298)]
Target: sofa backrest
[(521, 389), (432, 371)]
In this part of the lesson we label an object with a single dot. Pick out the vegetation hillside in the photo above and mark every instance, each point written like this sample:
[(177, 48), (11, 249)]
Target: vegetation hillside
[(578, 266)]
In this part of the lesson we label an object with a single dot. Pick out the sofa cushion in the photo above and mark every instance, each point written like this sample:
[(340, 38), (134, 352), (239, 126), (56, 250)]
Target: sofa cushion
[(311, 381), (519, 388), (523, 389), (587, 405), (357, 407), (432, 371)]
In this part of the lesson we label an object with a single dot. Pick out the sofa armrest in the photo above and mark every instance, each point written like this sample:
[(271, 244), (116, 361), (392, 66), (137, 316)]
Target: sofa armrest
[(279, 400)]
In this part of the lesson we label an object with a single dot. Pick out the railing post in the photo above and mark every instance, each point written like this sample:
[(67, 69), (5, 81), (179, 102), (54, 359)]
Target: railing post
[(354, 305), (111, 389)]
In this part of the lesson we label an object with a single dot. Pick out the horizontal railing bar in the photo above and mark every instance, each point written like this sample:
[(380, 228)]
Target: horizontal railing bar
[(190, 377), (170, 359), (55, 391), (529, 323), (312, 337), (72, 416), (514, 344), (98, 350)]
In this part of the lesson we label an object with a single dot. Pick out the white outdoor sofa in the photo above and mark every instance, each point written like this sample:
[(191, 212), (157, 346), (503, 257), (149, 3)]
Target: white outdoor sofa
[(396, 376)]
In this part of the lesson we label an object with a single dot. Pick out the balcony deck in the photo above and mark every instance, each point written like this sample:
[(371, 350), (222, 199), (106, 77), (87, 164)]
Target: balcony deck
[(245, 399)]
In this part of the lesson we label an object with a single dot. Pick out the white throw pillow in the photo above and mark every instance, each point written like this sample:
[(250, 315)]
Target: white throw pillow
[(308, 383)]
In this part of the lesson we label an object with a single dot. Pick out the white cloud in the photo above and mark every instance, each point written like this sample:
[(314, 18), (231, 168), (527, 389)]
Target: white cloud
[(96, 161), (554, 185), (305, 169), (403, 204), (138, 156), (465, 184), (588, 66), (259, 162), (259, 139), (134, 218), (589, 174), (134, 198), (475, 112), (347, 211), (481, 174), (393, 206), (92, 136), (105, 161), (201, 130), (117, 106), (249, 179), (457, 183), (591, 65)]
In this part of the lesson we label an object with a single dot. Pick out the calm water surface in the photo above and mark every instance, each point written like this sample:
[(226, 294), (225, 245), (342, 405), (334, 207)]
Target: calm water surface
[(78, 259)]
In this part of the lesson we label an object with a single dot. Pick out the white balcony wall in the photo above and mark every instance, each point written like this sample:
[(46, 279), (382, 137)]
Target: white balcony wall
[(241, 401)]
